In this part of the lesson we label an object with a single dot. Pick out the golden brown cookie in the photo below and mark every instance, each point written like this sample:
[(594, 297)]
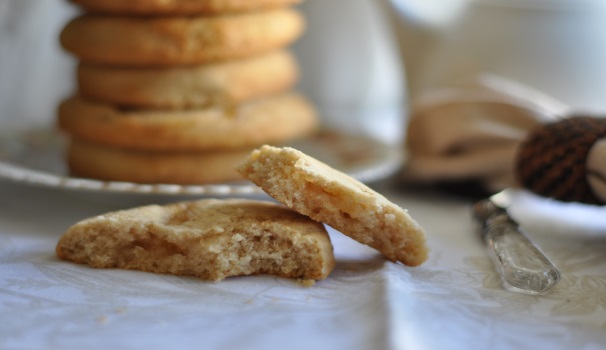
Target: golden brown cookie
[(179, 7), (211, 239), (270, 120), (115, 164), (162, 41), (327, 195), (225, 83)]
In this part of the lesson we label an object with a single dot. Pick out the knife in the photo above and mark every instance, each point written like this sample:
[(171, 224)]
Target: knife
[(521, 264)]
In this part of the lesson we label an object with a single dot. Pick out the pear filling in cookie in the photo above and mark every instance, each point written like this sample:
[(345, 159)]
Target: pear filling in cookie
[(211, 239)]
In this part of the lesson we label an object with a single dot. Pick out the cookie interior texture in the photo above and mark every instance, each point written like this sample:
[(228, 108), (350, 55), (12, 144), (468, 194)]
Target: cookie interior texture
[(211, 239), (330, 196)]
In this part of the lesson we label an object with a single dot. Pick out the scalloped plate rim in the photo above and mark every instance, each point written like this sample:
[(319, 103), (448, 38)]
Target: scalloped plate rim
[(380, 170)]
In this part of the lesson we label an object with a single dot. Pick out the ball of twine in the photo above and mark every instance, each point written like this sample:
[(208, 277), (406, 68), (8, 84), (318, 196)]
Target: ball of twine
[(552, 160)]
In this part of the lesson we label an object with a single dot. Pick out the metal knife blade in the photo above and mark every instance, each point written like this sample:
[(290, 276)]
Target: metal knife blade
[(522, 265)]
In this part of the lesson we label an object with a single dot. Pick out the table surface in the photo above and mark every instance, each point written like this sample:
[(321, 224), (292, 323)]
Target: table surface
[(455, 300)]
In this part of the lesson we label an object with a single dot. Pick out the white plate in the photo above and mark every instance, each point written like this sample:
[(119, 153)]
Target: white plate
[(36, 157)]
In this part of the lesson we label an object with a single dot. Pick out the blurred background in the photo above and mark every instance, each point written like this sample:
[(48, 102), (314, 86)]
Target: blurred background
[(348, 59), (35, 73), (363, 61)]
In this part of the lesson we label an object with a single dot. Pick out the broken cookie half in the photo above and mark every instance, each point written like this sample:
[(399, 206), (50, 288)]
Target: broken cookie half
[(327, 195), (211, 239)]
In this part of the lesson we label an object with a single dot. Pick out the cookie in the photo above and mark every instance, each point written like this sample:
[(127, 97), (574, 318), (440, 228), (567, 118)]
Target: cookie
[(162, 41), (270, 120), (211, 239), (179, 7), (330, 196), (225, 83), (115, 164)]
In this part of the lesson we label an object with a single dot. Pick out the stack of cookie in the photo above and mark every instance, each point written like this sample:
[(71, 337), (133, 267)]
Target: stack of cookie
[(179, 91)]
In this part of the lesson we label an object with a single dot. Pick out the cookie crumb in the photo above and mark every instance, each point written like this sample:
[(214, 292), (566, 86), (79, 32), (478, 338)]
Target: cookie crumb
[(306, 282)]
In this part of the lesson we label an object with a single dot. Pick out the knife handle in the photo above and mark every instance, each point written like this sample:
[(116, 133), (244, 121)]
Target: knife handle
[(521, 264)]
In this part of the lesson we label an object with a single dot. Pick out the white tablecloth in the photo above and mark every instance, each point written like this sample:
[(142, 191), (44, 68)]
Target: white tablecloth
[(454, 301)]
